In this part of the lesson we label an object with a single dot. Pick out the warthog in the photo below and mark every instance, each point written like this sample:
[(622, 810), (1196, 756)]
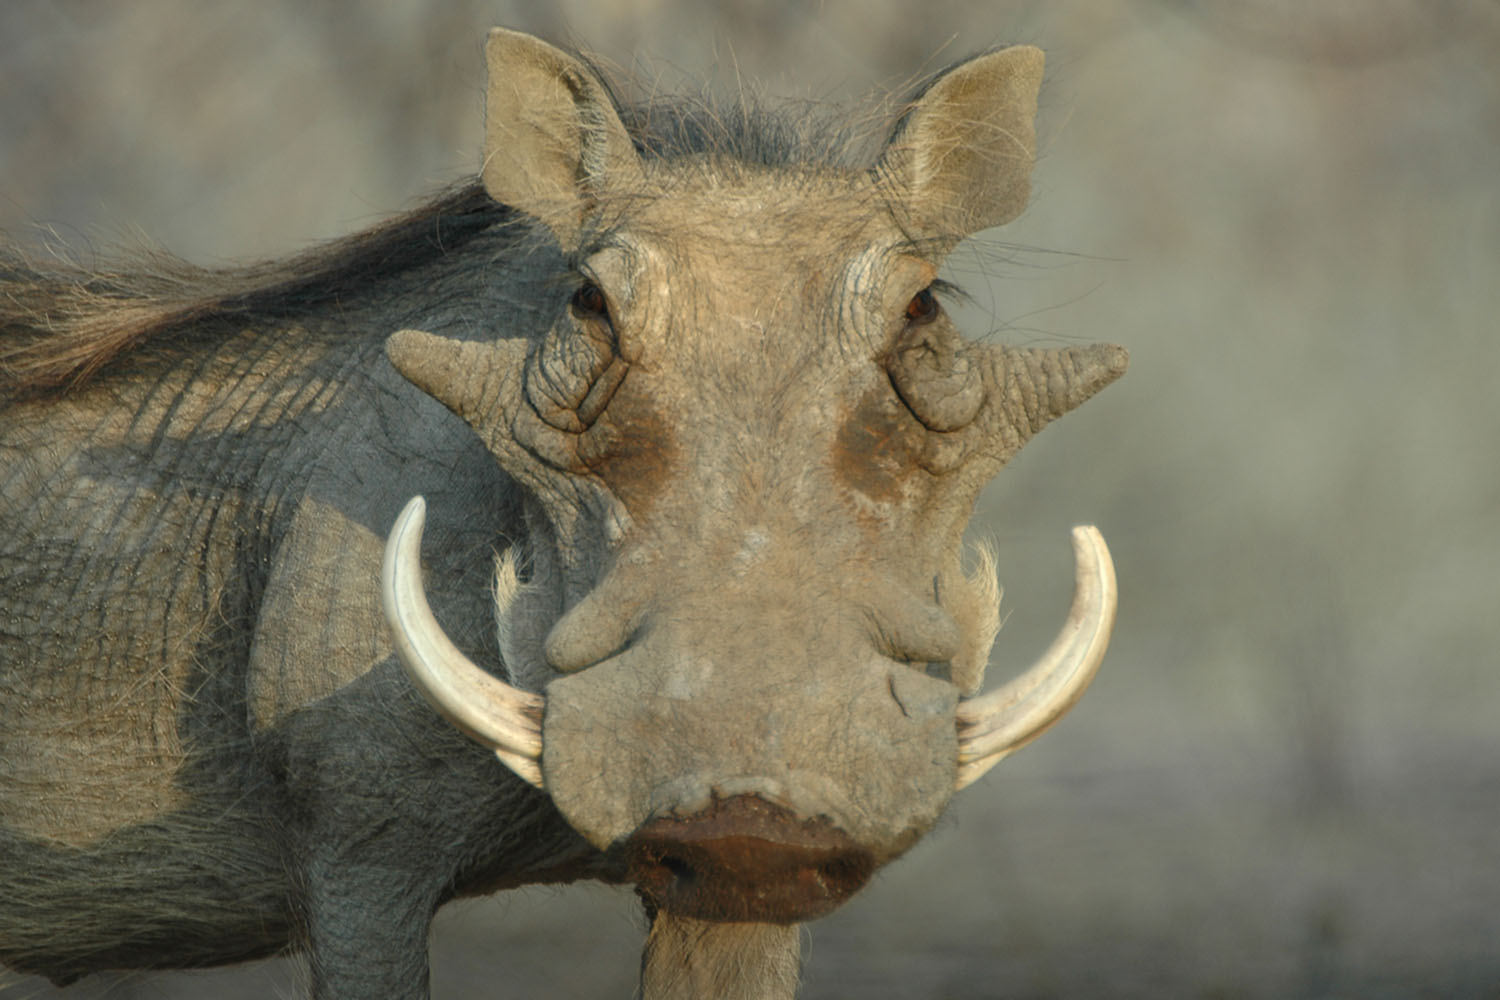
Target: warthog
[(697, 444)]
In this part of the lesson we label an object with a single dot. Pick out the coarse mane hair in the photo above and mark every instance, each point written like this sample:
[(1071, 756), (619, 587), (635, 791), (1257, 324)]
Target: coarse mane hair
[(62, 321)]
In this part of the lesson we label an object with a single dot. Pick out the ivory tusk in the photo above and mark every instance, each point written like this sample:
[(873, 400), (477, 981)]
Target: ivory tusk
[(486, 709), (994, 725)]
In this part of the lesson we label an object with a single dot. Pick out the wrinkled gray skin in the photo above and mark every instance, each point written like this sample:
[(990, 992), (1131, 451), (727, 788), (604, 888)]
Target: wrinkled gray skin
[(736, 478)]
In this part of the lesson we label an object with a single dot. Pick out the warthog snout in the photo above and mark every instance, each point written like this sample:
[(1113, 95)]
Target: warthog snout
[(745, 859)]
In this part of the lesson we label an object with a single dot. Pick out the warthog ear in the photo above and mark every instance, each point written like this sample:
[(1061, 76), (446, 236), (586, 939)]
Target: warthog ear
[(553, 141), (960, 156)]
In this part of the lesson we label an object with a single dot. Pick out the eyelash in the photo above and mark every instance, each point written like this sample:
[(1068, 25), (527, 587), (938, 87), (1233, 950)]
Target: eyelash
[(927, 304)]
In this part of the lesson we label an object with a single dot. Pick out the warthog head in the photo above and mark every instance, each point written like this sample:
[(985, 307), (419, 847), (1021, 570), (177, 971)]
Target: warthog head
[(751, 440)]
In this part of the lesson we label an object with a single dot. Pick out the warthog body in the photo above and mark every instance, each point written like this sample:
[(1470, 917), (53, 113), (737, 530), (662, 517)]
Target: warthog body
[(687, 378)]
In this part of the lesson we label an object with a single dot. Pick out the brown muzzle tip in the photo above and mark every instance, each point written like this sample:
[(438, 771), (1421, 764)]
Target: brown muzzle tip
[(745, 859)]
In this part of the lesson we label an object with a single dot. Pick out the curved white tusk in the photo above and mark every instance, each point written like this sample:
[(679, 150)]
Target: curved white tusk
[(486, 709), (993, 725)]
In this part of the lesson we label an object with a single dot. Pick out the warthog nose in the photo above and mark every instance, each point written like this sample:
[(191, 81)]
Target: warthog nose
[(744, 859)]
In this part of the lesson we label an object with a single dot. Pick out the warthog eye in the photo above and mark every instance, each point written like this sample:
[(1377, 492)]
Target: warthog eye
[(574, 372), (589, 302), (930, 370), (923, 308)]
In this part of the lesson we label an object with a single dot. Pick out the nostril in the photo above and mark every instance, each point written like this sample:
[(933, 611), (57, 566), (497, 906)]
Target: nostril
[(679, 870), (665, 874), (844, 875)]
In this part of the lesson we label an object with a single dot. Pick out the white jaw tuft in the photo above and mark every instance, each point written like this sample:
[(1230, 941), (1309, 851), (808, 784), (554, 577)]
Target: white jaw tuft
[(507, 589), (975, 604)]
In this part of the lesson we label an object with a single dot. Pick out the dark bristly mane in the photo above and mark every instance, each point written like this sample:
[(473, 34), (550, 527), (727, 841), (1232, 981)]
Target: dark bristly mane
[(740, 127), (800, 134), (62, 322)]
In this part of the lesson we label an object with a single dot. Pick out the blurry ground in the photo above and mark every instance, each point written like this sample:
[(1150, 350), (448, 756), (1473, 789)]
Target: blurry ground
[(1286, 782)]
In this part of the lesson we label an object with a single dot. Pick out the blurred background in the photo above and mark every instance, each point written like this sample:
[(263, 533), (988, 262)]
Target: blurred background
[(1286, 781)]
